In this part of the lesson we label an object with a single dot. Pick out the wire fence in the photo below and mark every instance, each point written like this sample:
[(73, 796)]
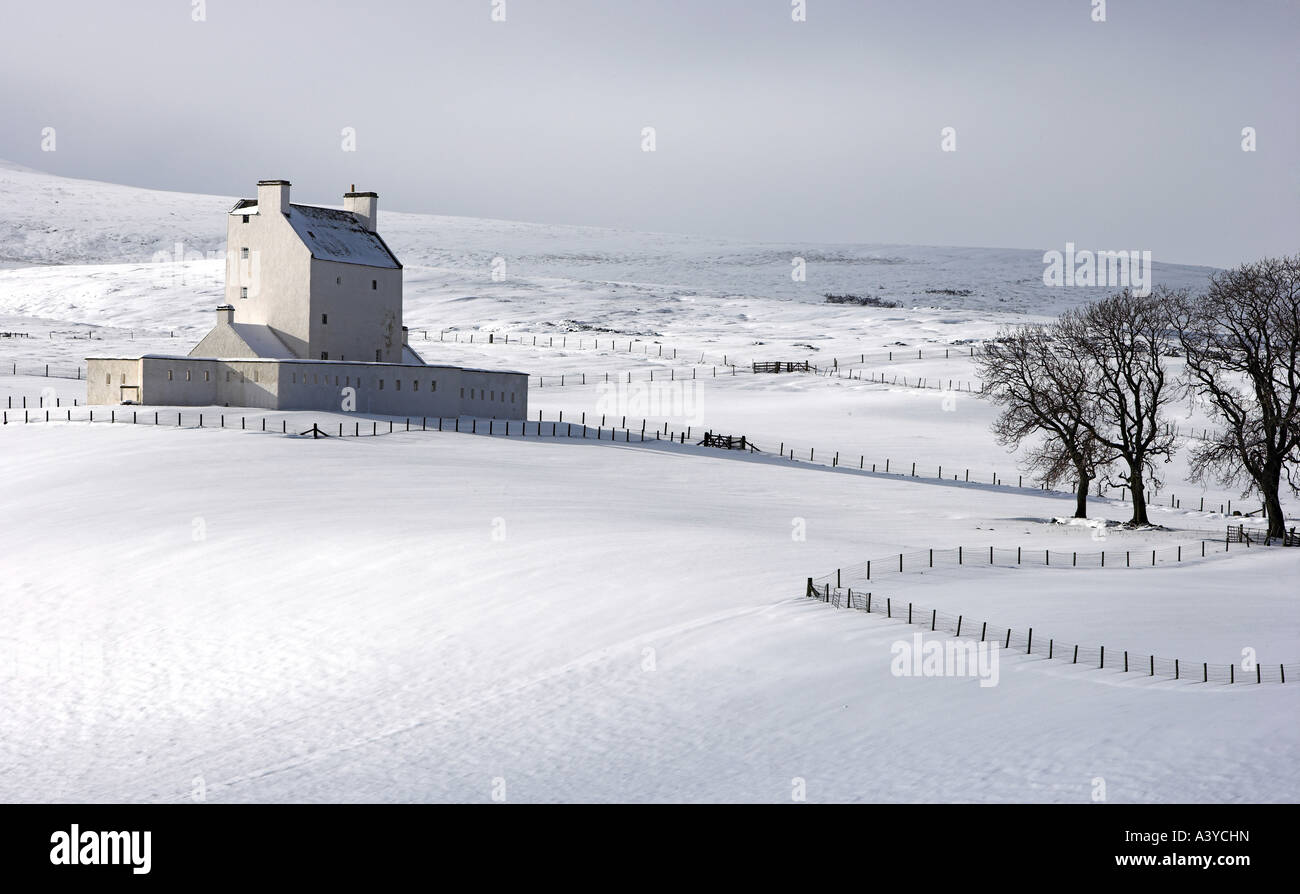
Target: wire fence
[(834, 590), (905, 469), (43, 370), (864, 574), (911, 469), (335, 428), (563, 380), (650, 346), (1025, 641)]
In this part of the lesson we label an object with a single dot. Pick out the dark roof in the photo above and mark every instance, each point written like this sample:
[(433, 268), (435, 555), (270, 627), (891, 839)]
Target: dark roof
[(332, 234), (335, 235)]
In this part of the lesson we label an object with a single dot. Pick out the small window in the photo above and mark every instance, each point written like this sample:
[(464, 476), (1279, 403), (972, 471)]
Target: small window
[(462, 394), (324, 355), (169, 375), (433, 386), (338, 280), (397, 385), (336, 381), (227, 375), (377, 356), (245, 218), (295, 378), (347, 380), (207, 376), (243, 291), (415, 384), (381, 384), (243, 254), (493, 396), (123, 380), (324, 319), (374, 284), (512, 397), (257, 375), (108, 378), (187, 375)]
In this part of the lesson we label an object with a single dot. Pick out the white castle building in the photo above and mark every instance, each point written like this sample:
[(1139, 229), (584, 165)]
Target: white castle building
[(312, 319)]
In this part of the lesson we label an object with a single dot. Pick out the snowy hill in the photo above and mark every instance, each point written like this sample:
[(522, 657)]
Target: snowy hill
[(581, 619), (57, 220)]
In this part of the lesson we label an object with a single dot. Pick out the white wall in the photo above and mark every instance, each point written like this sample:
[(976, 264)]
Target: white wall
[(379, 388), (362, 319), (277, 275), (105, 378)]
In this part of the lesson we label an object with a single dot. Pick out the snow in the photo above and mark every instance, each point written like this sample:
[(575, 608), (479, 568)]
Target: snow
[(411, 617), (336, 236)]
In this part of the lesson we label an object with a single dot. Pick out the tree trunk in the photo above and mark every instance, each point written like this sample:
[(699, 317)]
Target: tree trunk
[(1081, 498), (1139, 500), (1270, 485)]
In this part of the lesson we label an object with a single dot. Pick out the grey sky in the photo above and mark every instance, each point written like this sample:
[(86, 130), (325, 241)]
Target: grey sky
[(1117, 135)]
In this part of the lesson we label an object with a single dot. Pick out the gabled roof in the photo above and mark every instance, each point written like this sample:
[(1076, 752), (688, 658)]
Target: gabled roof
[(411, 358), (243, 340), (332, 234), (262, 340)]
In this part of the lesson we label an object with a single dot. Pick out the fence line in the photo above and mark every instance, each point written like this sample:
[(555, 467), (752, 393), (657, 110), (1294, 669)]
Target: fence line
[(44, 371), (862, 574), (464, 425), (672, 353), (577, 379), (907, 470), (1128, 661)]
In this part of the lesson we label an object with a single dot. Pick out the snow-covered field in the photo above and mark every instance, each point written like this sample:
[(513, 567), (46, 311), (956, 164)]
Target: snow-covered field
[(431, 616)]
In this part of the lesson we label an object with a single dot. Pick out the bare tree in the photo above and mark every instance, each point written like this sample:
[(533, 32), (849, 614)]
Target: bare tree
[(1117, 347), (1043, 398), (1242, 343)]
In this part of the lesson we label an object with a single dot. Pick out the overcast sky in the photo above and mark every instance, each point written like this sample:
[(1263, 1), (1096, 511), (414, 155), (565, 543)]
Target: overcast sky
[(1123, 134)]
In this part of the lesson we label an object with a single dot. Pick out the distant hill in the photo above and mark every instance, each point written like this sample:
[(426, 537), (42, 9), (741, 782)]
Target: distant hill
[(57, 220)]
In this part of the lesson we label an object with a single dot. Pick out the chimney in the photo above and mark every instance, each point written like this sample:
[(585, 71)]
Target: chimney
[(225, 315), (272, 196), (365, 205), (406, 335)]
